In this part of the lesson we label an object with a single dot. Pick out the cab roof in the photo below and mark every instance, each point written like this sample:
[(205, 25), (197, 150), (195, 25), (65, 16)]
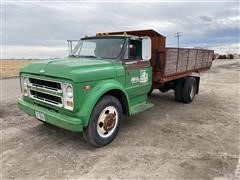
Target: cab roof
[(129, 34), (110, 36), (146, 32)]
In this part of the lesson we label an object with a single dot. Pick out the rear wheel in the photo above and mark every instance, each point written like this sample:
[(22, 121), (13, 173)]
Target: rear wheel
[(178, 90), (189, 90), (104, 122)]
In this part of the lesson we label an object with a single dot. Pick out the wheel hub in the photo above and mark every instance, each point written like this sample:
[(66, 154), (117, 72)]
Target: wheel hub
[(193, 91), (109, 122)]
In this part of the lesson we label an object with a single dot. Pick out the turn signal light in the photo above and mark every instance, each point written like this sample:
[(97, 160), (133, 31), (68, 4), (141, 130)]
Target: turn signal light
[(86, 87), (69, 103)]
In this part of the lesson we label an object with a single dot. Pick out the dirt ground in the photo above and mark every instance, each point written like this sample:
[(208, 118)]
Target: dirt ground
[(170, 141)]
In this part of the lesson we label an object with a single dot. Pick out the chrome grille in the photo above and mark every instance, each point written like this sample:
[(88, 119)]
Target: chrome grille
[(47, 91), (52, 85)]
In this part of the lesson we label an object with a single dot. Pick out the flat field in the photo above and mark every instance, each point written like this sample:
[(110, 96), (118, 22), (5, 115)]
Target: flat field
[(10, 68)]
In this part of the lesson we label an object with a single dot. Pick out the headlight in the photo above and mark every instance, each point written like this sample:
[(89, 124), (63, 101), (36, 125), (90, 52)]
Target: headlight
[(68, 96), (24, 81), (24, 84), (69, 91)]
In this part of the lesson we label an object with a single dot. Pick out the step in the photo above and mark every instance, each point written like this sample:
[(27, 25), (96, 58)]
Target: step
[(140, 107)]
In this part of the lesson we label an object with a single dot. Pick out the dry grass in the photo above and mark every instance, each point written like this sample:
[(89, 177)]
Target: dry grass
[(11, 68)]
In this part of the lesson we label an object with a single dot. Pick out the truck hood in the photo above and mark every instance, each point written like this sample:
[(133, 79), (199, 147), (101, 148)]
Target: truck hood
[(75, 69)]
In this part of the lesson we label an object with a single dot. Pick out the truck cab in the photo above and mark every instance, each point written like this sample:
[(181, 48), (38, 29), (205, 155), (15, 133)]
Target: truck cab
[(104, 77)]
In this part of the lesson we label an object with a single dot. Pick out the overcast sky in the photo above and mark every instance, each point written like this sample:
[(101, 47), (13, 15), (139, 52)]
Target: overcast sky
[(40, 29)]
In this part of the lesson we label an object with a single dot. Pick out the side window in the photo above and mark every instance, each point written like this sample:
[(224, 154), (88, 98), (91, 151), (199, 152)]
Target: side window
[(134, 50)]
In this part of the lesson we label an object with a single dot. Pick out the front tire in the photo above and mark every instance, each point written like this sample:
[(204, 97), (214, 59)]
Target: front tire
[(104, 122)]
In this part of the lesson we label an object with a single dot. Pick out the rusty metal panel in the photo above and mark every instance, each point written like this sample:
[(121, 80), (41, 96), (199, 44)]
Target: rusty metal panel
[(171, 61), (205, 59), (146, 32), (191, 59), (199, 59), (183, 60)]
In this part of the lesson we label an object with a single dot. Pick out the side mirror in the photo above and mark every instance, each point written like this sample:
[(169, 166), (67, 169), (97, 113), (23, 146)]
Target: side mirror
[(146, 48)]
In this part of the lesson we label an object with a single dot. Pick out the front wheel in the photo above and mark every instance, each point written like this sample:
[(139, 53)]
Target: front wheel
[(104, 122)]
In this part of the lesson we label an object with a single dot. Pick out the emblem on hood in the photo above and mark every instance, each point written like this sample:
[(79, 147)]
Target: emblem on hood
[(42, 71)]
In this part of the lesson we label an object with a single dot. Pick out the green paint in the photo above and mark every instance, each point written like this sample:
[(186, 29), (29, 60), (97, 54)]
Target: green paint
[(101, 75)]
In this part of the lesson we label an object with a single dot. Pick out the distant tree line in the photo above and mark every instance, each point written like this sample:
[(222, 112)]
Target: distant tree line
[(229, 56)]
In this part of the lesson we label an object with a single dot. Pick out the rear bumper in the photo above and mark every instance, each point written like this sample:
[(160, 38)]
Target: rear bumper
[(51, 117)]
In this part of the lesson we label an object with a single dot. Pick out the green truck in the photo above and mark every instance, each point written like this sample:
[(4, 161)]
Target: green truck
[(105, 77)]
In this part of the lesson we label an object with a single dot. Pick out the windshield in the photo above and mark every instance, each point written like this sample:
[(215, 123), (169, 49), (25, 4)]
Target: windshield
[(109, 48)]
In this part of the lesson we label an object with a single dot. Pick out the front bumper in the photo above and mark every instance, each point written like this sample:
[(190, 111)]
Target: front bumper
[(52, 117)]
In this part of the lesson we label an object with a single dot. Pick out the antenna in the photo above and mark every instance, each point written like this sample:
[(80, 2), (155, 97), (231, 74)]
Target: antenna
[(178, 35)]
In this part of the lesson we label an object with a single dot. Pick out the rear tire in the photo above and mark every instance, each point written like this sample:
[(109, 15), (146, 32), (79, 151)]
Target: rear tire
[(189, 90), (178, 90), (104, 122)]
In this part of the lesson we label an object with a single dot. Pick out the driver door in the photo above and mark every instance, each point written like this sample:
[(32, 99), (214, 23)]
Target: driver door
[(138, 72)]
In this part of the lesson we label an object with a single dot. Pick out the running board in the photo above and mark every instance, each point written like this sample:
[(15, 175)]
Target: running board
[(140, 107)]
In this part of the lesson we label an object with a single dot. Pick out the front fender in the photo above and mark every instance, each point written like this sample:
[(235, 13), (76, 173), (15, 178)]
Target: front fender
[(95, 94)]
